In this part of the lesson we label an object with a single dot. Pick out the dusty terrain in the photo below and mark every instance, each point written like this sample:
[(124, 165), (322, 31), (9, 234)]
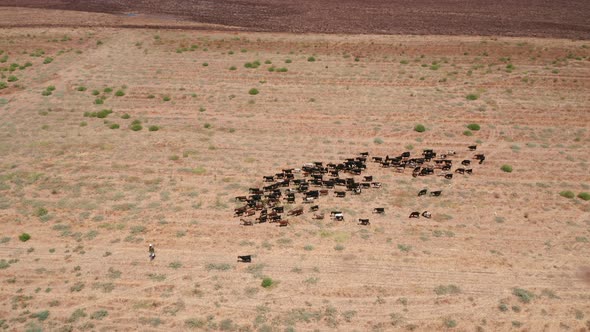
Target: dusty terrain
[(503, 251), (541, 18)]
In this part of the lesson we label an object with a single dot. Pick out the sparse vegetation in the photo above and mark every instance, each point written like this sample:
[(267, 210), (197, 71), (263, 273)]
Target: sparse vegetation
[(473, 126), (567, 194), (523, 295), (472, 96), (506, 168), (253, 91), (419, 128), (24, 237), (267, 282), (584, 195)]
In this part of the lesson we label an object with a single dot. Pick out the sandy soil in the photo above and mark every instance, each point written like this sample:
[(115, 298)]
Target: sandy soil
[(502, 251), (540, 18)]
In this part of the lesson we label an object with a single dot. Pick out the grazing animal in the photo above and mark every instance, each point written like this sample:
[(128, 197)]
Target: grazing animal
[(295, 212), (469, 171), (283, 223), (241, 198), (245, 259), (368, 178), (422, 192), (376, 184), (451, 152), (415, 214), (340, 193), (460, 170), (449, 176), (472, 147), (377, 159), (318, 216), (278, 209), (314, 208), (466, 162), (268, 178), (426, 214), (379, 210), (435, 193), (364, 222)]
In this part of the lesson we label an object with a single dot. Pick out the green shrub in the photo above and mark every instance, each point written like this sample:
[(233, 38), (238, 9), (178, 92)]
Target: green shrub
[(205, 64), (134, 122), (24, 237), (268, 62), (447, 289), (253, 91), (98, 315), (378, 140), (125, 116), (151, 96), (47, 60), (524, 295), (567, 194), (472, 96), (153, 128), (3, 85), (506, 168), (41, 211), (12, 78), (468, 133), (288, 61), (98, 101), (584, 195), (252, 65), (136, 127), (95, 92), (107, 90), (46, 93), (267, 282), (166, 98), (114, 126), (83, 124), (103, 114), (120, 93), (311, 59), (503, 307), (81, 88), (207, 125), (419, 128), (282, 70), (473, 126), (41, 315), (232, 68)]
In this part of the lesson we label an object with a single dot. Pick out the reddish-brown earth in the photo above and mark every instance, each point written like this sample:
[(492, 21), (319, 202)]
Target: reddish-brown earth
[(540, 18)]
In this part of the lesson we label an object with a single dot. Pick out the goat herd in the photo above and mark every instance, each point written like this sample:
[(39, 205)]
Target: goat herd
[(314, 180)]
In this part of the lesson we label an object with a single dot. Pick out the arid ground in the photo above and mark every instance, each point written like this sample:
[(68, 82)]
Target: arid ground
[(502, 251)]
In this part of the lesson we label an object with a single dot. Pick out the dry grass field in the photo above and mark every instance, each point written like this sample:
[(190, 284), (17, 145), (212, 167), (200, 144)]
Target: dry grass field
[(502, 251)]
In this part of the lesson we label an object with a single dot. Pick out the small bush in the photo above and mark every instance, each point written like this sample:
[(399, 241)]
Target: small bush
[(378, 140), (47, 60), (584, 195), (175, 265), (567, 194), (136, 127), (120, 93), (447, 289), (232, 68), (473, 126), (205, 64), (267, 282), (253, 91), (503, 307), (125, 116), (166, 98), (24, 237), (282, 70), (46, 93), (154, 128), (524, 295), (114, 126), (311, 59), (3, 85), (81, 88), (468, 133), (12, 78), (41, 316), (103, 114), (98, 101), (506, 168), (107, 90), (419, 128), (472, 96), (98, 315), (95, 92)]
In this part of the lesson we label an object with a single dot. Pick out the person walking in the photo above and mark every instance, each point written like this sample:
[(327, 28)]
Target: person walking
[(152, 252)]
